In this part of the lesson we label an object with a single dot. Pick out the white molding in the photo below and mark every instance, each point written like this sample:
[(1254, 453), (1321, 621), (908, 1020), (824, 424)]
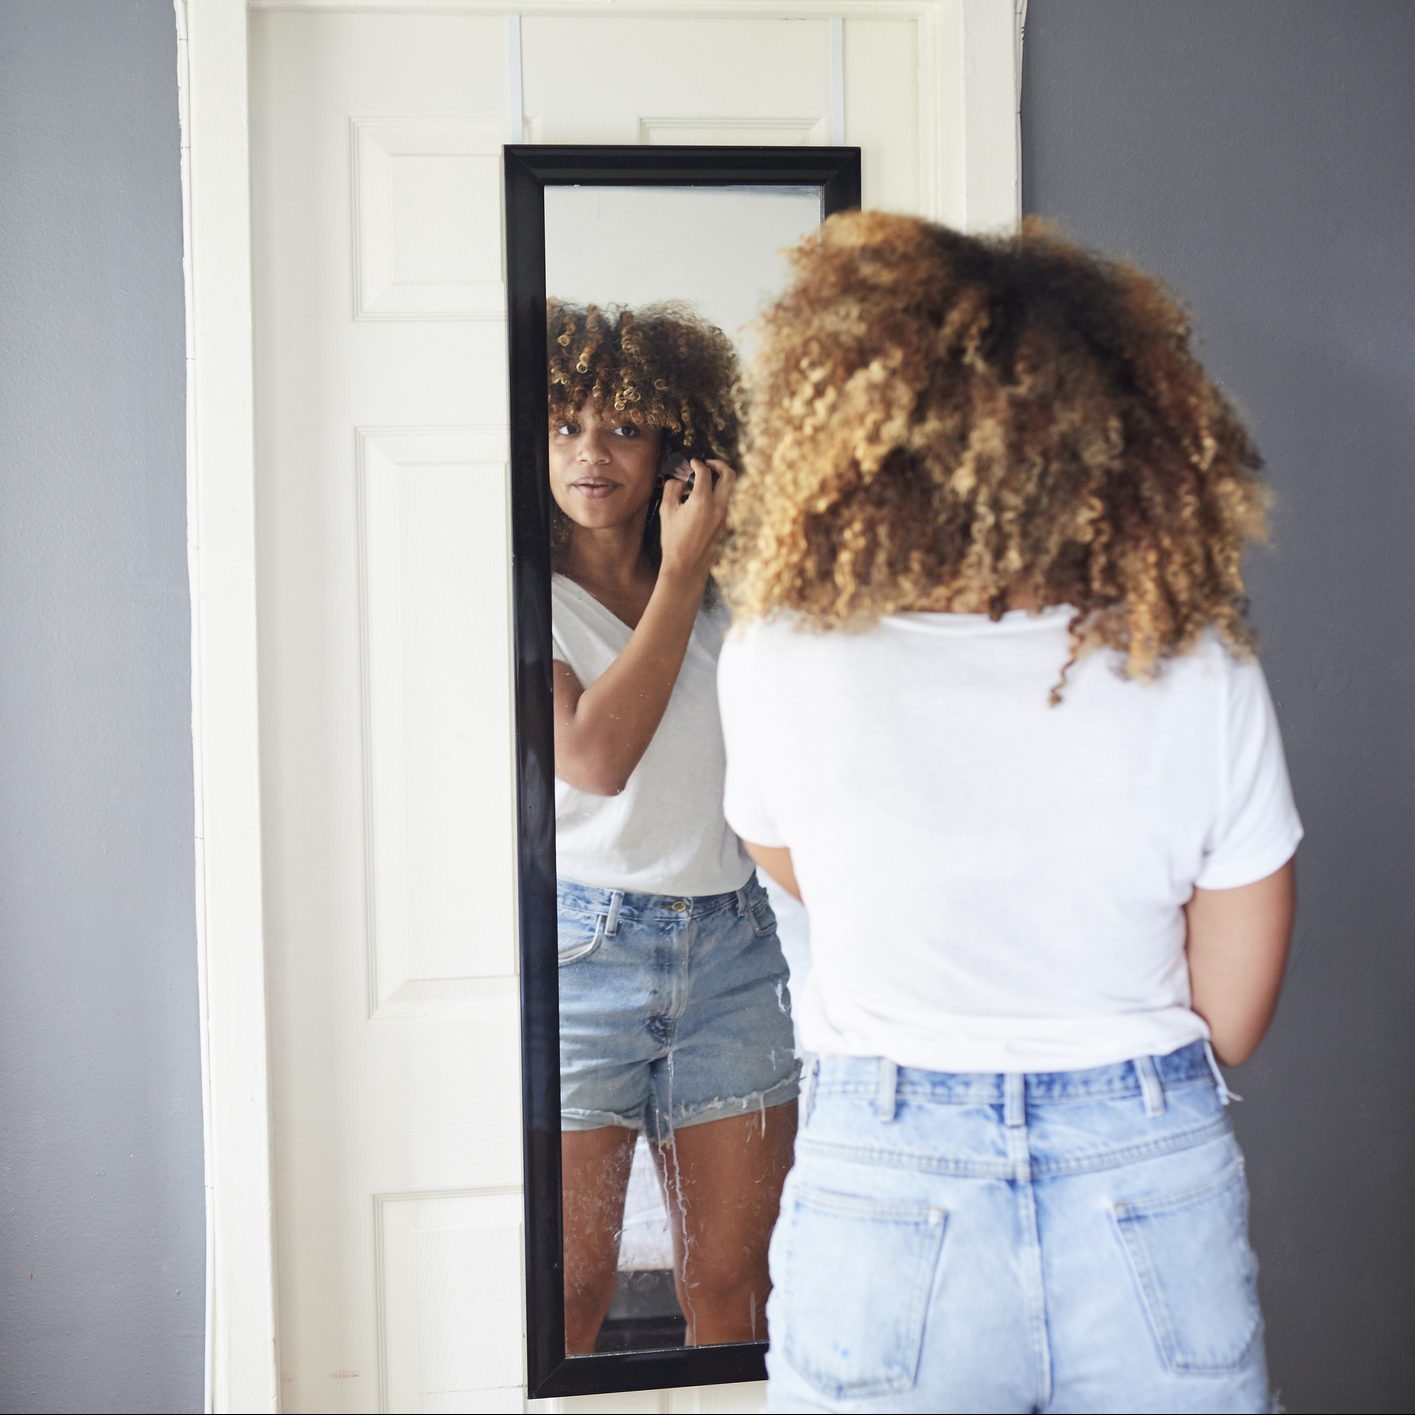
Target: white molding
[(837, 81), (991, 114), (240, 1277), (679, 9)]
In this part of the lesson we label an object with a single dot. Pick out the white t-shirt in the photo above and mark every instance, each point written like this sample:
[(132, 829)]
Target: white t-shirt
[(665, 832), (995, 884)]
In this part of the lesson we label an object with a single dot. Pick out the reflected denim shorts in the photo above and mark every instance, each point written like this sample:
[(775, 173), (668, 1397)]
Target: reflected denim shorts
[(1058, 1241), (674, 1011)]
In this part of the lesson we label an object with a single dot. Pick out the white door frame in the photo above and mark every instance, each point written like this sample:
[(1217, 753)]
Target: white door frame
[(240, 1251), (969, 90)]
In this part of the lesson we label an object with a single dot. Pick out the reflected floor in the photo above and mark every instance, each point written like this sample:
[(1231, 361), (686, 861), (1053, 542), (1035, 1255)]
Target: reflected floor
[(644, 1314)]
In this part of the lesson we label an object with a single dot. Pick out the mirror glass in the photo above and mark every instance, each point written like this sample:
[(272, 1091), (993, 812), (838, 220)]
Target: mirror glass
[(677, 1053)]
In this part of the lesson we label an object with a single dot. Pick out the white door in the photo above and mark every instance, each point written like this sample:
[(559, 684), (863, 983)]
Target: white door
[(384, 612)]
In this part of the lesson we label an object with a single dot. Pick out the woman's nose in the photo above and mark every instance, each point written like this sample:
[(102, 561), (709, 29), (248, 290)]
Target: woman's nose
[(593, 448)]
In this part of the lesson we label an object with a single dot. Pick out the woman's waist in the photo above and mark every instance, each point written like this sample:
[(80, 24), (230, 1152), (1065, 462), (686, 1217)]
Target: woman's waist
[(573, 896), (862, 1075), (1031, 1126)]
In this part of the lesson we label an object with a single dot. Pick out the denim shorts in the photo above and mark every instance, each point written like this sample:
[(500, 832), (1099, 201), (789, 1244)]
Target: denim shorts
[(674, 1011), (1059, 1241)]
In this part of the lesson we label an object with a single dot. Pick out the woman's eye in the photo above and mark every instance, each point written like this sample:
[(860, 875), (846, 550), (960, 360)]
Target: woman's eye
[(567, 429), (627, 430)]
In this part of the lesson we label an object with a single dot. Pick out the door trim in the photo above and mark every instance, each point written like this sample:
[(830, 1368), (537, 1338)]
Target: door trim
[(221, 556)]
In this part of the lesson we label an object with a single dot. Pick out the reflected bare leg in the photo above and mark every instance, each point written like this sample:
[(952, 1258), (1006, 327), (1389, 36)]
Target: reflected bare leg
[(723, 1184), (595, 1178)]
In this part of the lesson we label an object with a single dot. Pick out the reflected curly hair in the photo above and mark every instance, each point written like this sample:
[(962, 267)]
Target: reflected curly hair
[(945, 422), (663, 366)]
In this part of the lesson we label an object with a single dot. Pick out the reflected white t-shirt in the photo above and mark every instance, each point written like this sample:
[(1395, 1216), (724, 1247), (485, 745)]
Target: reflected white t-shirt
[(995, 884), (665, 832)]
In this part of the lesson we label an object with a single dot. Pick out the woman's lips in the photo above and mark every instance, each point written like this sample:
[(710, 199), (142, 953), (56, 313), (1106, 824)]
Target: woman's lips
[(595, 489)]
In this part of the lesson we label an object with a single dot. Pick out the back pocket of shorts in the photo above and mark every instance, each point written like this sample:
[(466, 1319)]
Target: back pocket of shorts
[(1196, 1273), (853, 1299), (578, 935)]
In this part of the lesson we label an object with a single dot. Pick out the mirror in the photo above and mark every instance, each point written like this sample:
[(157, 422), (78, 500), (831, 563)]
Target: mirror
[(661, 1066)]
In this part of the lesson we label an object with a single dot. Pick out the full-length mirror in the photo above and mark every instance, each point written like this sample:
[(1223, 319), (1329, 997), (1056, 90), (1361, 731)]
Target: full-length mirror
[(662, 1066)]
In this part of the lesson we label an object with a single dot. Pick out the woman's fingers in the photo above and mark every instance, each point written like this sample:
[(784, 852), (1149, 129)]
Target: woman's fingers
[(702, 479), (725, 479)]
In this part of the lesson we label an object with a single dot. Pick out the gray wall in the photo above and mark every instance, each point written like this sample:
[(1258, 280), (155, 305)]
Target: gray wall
[(101, 1219), (1258, 157)]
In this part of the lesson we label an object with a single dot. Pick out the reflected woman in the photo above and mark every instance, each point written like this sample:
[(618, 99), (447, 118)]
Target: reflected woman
[(674, 1018)]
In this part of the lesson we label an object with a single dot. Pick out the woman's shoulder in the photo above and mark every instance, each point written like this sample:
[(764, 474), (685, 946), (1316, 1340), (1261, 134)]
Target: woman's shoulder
[(581, 628), (1211, 663), (570, 600), (563, 590), (747, 638)]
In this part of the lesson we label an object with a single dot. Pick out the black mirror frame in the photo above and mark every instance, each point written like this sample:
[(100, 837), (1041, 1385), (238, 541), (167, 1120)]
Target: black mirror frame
[(528, 171)]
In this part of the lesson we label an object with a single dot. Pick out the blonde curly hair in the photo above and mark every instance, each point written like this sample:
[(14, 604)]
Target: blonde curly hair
[(943, 422), (663, 366)]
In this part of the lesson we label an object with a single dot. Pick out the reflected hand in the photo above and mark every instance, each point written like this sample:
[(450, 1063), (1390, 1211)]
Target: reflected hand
[(694, 522)]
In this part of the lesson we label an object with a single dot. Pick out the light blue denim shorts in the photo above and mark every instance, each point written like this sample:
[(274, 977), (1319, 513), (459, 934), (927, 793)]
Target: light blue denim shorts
[(1060, 1241), (674, 1011)]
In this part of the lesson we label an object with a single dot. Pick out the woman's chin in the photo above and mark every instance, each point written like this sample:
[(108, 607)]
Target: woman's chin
[(599, 516)]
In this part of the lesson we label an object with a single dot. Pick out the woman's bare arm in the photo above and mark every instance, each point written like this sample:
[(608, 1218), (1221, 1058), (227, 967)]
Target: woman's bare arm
[(603, 731), (1238, 941), (776, 861)]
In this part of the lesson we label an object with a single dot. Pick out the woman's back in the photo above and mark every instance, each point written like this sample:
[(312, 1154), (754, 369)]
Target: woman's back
[(1026, 846), (996, 884)]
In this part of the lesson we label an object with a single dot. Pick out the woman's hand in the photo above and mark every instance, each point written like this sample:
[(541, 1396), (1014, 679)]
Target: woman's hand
[(694, 522)]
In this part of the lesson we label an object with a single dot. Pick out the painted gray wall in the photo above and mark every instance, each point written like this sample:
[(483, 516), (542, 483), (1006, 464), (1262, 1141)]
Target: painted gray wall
[(1255, 155), (101, 1203), (1258, 157)]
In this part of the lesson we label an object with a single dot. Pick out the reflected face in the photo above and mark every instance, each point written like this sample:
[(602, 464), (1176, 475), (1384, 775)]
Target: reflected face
[(603, 471)]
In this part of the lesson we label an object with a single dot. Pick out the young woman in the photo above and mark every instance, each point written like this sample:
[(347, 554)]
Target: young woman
[(673, 1011), (993, 713)]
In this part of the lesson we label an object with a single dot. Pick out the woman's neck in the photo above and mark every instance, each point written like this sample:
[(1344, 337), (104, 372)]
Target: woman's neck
[(610, 559), (964, 603)]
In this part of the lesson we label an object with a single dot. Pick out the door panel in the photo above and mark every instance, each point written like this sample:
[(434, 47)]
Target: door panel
[(384, 634)]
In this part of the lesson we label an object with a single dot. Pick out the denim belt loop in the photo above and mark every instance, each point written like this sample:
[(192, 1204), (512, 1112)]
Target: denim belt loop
[(1151, 1088), (1225, 1095), (1014, 1098), (887, 1091), (742, 902), (611, 921)]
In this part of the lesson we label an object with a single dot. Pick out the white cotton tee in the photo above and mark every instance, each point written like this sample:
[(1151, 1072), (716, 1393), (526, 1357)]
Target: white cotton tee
[(995, 884), (665, 832)]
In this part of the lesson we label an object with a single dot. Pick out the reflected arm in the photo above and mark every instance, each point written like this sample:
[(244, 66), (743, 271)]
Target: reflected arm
[(603, 731), (1237, 944), (776, 861)]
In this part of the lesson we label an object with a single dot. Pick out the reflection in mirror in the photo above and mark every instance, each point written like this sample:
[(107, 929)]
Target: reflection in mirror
[(678, 1062)]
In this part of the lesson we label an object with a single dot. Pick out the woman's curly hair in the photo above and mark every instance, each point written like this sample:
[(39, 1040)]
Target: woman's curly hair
[(662, 366), (945, 422)]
